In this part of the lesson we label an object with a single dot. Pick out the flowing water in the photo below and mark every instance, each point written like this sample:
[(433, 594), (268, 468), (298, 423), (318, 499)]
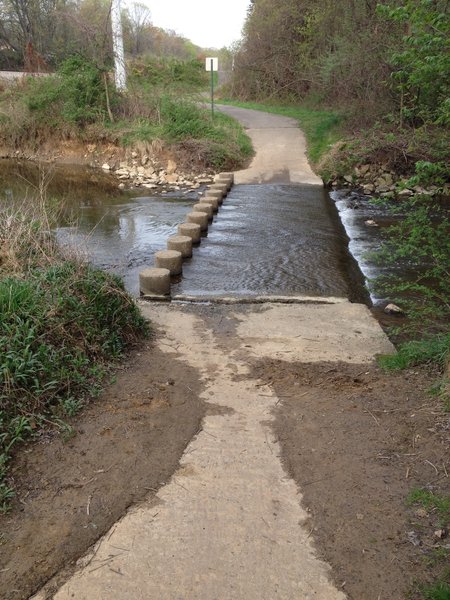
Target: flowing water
[(268, 239)]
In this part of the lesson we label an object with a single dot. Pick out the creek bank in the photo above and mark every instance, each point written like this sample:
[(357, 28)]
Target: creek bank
[(145, 165), (375, 179)]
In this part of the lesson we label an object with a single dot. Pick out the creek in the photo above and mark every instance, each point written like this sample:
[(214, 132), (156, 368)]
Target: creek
[(275, 239)]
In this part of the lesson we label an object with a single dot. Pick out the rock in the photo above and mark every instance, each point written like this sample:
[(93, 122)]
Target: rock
[(106, 167), (144, 160), (134, 154), (405, 193), (393, 309), (441, 533), (380, 189), (123, 165), (348, 178), (364, 169), (371, 223), (121, 186), (124, 176), (171, 167), (203, 180), (149, 186), (369, 188), (172, 178)]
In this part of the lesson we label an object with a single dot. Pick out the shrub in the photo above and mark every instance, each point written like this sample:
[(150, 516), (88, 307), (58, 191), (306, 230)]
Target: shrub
[(63, 323)]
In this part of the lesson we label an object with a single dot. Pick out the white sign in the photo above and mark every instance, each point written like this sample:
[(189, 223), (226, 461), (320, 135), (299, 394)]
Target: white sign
[(214, 62)]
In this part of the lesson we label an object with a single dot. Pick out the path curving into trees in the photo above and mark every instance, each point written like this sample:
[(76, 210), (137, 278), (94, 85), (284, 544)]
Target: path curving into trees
[(280, 149)]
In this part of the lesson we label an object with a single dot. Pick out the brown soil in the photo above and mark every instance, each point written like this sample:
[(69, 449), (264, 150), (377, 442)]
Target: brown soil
[(357, 441), (71, 491)]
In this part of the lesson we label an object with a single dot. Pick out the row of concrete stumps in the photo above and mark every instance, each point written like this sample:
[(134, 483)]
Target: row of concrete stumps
[(155, 282)]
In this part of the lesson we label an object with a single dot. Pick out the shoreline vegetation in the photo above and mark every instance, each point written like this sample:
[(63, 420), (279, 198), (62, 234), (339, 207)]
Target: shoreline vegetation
[(64, 326)]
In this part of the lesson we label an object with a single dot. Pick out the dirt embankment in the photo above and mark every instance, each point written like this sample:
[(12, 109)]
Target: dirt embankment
[(146, 165)]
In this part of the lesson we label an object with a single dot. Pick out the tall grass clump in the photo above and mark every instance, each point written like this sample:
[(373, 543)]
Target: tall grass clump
[(63, 323)]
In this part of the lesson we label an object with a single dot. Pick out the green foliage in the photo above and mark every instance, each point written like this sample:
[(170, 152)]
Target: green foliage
[(60, 328), (429, 173), (421, 243), (76, 94), (422, 63), (438, 591), (170, 73), (436, 503), (430, 350)]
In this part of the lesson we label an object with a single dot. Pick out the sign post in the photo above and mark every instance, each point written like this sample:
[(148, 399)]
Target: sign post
[(212, 64)]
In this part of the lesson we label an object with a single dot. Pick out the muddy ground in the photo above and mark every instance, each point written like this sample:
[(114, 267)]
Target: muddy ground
[(357, 441), (71, 491)]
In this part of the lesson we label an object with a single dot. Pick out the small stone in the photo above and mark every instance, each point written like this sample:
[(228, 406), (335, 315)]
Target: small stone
[(393, 309), (171, 167), (348, 178), (421, 513), (371, 223), (441, 533), (106, 167), (134, 154), (405, 193), (121, 186)]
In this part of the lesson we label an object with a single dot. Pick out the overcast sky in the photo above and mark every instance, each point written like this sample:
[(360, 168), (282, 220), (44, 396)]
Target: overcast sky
[(207, 23)]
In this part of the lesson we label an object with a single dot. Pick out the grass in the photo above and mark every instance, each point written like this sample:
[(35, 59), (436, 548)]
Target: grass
[(436, 503), (431, 350), (321, 127), (438, 591), (63, 324)]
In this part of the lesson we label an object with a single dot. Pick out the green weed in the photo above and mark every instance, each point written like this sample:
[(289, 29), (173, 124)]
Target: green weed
[(436, 503), (431, 350), (60, 329), (438, 591)]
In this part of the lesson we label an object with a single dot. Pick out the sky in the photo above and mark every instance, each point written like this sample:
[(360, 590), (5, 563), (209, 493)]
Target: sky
[(207, 23)]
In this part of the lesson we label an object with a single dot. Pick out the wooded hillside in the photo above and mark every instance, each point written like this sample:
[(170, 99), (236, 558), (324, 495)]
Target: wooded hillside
[(361, 54)]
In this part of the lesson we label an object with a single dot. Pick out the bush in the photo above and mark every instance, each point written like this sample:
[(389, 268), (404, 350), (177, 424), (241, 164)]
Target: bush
[(169, 72), (77, 93), (63, 323), (60, 329)]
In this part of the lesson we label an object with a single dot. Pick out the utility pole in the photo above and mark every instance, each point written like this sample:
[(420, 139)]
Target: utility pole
[(120, 75)]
